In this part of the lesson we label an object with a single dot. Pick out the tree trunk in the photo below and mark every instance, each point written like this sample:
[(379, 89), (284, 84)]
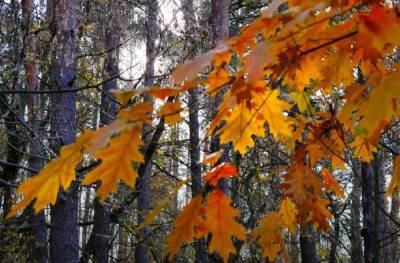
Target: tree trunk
[(194, 125), (394, 240), (143, 186), (356, 245), (38, 245), (369, 228), (220, 23), (98, 244), (64, 239), (308, 245)]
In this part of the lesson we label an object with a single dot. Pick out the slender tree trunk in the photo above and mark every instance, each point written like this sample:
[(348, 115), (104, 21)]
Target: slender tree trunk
[(220, 23), (64, 238), (308, 245), (369, 228), (98, 244), (38, 245), (356, 244), (394, 240), (143, 186), (194, 125), (334, 240)]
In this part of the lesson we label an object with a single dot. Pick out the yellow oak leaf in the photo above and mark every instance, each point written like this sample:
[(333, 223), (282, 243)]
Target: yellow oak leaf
[(221, 224), (116, 162), (395, 181), (363, 148), (288, 212), (171, 112), (384, 97), (139, 113), (302, 99), (102, 136), (60, 172), (124, 96), (268, 235), (185, 226), (240, 126), (271, 109)]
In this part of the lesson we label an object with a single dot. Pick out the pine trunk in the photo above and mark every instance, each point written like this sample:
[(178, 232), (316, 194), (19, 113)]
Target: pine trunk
[(144, 184), (64, 239)]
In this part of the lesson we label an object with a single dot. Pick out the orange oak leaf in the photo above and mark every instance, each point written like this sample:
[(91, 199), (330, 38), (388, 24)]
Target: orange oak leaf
[(162, 93), (60, 172), (331, 183), (189, 70), (116, 162), (224, 170), (221, 224), (268, 235), (102, 136), (379, 24), (185, 226), (288, 213), (213, 158), (171, 112), (240, 126), (363, 148)]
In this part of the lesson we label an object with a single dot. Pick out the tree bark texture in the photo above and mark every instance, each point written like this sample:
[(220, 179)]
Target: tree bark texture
[(144, 183), (64, 239), (38, 245)]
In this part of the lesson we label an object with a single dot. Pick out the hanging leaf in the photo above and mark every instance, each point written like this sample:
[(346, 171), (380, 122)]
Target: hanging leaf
[(116, 162), (224, 170)]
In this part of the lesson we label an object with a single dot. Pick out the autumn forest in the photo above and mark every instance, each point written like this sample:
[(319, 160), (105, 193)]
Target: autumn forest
[(200, 131)]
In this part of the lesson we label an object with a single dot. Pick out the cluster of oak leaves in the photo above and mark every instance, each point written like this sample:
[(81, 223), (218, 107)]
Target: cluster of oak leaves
[(311, 50)]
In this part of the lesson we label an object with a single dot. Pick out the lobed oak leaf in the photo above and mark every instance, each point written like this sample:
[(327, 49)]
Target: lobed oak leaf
[(189, 70), (240, 126), (124, 96), (221, 224), (320, 214), (162, 93), (60, 172), (288, 212), (302, 99), (271, 109), (139, 113), (379, 25), (363, 148), (264, 55), (224, 170), (331, 183), (268, 235), (216, 80), (386, 93), (185, 226), (213, 158), (116, 162), (171, 112), (102, 136)]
